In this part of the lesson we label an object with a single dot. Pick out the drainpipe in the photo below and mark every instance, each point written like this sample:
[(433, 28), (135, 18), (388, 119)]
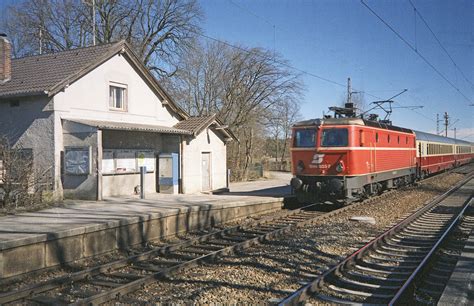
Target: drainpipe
[(181, 165)]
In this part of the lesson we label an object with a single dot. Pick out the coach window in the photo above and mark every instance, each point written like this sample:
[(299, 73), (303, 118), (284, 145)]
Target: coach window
[(398, 139), (376, 137), (388, 138)]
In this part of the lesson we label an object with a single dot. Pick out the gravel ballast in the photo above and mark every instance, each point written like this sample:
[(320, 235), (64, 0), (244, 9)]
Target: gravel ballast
[(275, 268)]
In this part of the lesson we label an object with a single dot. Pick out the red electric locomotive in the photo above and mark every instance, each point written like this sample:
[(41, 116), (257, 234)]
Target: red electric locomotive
[(346, 159)]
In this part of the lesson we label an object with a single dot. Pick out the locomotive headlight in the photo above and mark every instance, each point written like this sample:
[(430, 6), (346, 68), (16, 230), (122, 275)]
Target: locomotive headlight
[(340, 166), (300, 166)]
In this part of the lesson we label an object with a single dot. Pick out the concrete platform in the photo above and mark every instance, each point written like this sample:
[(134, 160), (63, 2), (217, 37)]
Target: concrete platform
[(460, 288), (79, 229)]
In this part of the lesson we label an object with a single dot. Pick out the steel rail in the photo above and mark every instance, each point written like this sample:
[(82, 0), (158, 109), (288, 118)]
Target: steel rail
[(166, 272), (134, 285), (407, 285), (80, 275), (309, 289), (52, 284)]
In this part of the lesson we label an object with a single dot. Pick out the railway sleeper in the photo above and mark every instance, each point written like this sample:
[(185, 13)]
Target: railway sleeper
[(147, 267), (374, 269), (360, 293), (423, 238), (426, 223), (162, 262), (444, 269), (355, 274), (441, 277), (107, 284), (400, 250), (391, 263), (48, 300), (403, 254), (432, 284), (196, 250), (129, 276), (384, 267), (182, 255), (257, 232), (348, 283), (233, 239), (341, 301), (406, 242), (397, 243), (209, 247), (423, 229), (426, 236), (388, 258)]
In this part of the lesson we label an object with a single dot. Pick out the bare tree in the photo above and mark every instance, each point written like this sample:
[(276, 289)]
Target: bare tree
[(241, 85), (21, 184), (160, 31)]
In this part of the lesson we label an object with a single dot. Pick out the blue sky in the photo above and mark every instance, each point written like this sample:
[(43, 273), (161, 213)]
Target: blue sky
[(338, 39)]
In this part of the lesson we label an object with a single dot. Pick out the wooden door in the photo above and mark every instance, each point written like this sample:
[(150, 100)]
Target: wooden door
[(206, 171)]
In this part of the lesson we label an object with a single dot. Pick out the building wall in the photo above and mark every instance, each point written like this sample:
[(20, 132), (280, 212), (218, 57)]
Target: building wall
[(206, 141), (88, 98), (81, 186), (30, 125)]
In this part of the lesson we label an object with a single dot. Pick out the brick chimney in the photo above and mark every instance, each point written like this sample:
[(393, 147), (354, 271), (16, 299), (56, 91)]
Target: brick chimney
[(5, 59)]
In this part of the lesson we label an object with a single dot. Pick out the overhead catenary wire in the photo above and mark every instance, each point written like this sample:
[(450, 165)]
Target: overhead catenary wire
[(317, 76), (305, 72), (410, 46), (417, 12)]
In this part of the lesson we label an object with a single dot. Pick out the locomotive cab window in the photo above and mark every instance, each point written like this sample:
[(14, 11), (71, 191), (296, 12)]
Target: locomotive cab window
[(335, 138), (305, 138)]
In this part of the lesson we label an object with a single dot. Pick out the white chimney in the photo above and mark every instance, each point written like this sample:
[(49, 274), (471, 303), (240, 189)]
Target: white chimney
[(5, 59)]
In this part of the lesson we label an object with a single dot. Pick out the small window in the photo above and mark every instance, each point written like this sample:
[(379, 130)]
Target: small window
[(335, 138), (14, 103), (376, 137), (398, 139), (388, 138), (117, 97), (305, 138)]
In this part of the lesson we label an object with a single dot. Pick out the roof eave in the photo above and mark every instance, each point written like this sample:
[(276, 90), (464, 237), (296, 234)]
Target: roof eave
[(24, 94)]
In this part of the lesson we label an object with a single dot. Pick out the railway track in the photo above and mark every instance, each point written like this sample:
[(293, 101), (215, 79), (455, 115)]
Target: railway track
[(113, 281), (431, 286), (385, 269)]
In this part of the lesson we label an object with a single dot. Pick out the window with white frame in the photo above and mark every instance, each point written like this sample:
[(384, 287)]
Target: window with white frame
[(118, 96)]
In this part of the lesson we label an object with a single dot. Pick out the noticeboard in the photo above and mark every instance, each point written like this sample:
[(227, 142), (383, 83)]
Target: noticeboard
[(147, 159), (77, 161), (108, 162), (125, 161)]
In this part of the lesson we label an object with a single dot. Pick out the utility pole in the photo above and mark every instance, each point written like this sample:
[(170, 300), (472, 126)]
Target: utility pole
[(93, 22), (41, 41), (349, 90), (437, 124), (446, 123), (454, 133)]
